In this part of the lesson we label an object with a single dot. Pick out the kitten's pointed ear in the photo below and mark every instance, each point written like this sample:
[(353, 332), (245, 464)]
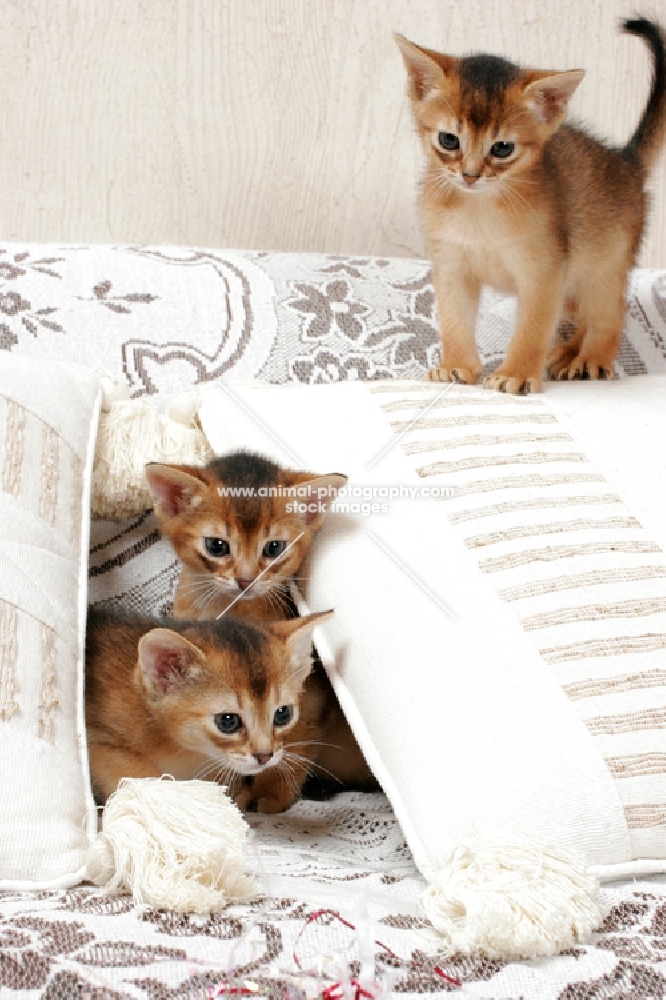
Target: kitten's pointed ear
[(322, 491), (550, 93), (167, 660), (425, 74), (173, 488), (297, 636)]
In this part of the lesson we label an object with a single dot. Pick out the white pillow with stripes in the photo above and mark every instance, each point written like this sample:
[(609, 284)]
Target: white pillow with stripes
[(48, 423), (500, 650)]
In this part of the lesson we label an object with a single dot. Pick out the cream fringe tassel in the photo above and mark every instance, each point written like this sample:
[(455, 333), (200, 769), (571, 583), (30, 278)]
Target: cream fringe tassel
[(133, 432), (511, 899), (176, 845)]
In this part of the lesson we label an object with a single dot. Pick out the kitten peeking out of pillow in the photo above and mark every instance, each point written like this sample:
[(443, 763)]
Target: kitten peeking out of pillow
[(233, 525), (226, 701), (514, 198)]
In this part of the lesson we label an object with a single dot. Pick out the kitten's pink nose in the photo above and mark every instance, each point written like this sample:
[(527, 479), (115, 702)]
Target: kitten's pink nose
[(262, 758), (470, 179), (243, 584)]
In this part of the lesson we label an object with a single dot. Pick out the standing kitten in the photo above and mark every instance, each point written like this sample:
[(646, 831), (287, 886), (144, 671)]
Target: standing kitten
[(514, 198), (223, 701), (238, 549)]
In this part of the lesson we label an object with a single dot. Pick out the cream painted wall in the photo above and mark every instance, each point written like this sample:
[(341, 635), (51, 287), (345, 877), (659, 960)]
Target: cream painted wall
[(270, 124)]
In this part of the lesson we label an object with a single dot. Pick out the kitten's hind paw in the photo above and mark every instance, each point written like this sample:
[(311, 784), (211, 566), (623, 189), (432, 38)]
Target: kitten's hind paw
[(465, 376), (517, 385), (581, 369)]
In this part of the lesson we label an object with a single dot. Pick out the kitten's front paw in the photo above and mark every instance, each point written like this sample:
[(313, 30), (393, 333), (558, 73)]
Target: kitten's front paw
[(517, 385), (465, 376), (267, 805), (252, 797)]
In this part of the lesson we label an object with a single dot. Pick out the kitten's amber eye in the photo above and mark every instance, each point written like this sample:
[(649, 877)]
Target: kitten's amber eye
[(283, 715), (228, 722), (274, 549), (448, 141), (502, 149), (217, 546)]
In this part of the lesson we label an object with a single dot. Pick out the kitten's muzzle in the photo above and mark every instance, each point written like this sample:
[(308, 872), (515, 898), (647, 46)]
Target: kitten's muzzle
[(243, 584), (470, 179), (263, 758)]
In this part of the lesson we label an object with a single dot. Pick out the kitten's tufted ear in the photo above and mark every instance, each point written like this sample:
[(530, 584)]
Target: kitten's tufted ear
[(548, 94), (174, 488), (167, 660), (297, 636), (425, 72), (317, 493)]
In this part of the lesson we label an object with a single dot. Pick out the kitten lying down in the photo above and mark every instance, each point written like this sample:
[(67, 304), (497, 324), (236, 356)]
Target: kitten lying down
[(228, 701), (515, 198)]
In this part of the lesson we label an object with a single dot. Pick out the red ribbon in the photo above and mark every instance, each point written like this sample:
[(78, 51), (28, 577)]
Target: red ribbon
[(224, 990), (360, 993), (334, 992)]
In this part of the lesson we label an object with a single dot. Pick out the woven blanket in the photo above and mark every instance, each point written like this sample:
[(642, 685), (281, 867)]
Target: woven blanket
[(342, 889)]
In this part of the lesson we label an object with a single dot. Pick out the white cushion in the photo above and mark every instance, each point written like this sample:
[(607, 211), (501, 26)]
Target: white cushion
[(536, 707), (48, 420)]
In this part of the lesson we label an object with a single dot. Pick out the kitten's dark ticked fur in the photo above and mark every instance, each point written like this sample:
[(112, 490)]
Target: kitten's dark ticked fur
[(514, 198), (237, 551), (225, 701)]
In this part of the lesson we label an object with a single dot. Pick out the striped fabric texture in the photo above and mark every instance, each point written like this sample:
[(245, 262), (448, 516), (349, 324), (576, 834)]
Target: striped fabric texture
[(47, 425), (582, 574)]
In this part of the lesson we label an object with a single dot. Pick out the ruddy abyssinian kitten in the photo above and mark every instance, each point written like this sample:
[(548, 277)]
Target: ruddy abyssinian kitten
[(515, 198), (226, 701), (238, 551)]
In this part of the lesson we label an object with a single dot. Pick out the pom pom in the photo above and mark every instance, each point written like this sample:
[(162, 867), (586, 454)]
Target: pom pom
[(176, 845), (511, 900), (132, 432)]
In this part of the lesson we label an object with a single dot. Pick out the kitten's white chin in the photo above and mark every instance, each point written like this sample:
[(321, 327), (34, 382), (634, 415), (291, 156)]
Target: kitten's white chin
[(247, 768)]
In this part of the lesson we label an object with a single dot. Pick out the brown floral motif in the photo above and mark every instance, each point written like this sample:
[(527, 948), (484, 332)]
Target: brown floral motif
[(658, 925), (27, 970), (182, 925), (635, 948), (69, 986), (12, 304), (13, 939), (351, 265), (56, 937), (207, 984), (43, 265), (626, 982), (117, 954), (115, 302), (329, 311), (78, 901), (7, 337), (328, 366), (623, 915)]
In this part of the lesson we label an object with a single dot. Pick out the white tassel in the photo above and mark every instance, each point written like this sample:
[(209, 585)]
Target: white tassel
[(511, 900), (132, 432), (176, 845)]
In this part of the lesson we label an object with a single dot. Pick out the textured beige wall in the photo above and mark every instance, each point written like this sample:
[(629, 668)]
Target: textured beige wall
[(272, 124)]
